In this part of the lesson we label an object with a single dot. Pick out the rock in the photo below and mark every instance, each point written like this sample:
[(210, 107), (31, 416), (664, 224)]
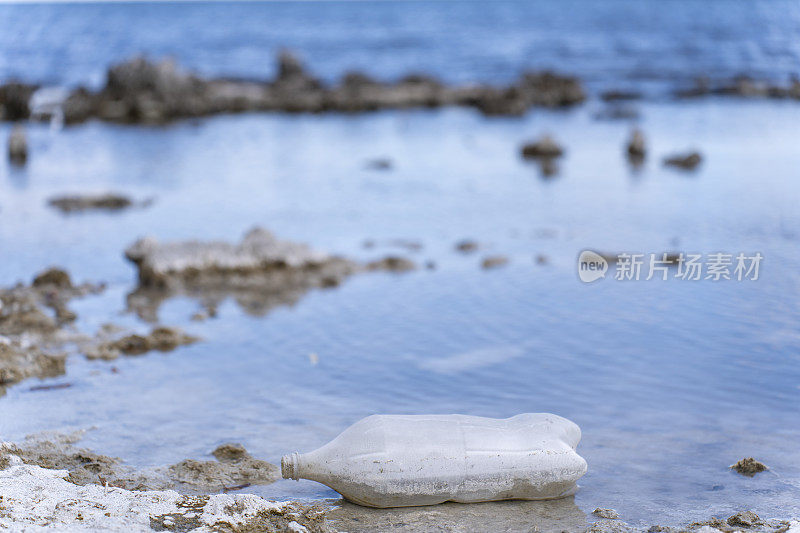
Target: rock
[(80, 105), (617, 95), (744, 519), (18, 145), (610, 514), (749, 467), (544, 148), (467, 246), (19, 362), (260, 272), (637, 146), (379, 164), (86, 202), (617, 112), (51, 482), (15, 101), (235, 468), (687, 161), (54, 277), (163, 339), (139, 90), (547, 89), (392, 264), (31, 320), (230, 452), (258, 259), (494, 261)]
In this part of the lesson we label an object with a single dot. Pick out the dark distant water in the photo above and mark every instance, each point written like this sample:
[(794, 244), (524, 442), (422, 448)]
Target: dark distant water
[(646, 43)]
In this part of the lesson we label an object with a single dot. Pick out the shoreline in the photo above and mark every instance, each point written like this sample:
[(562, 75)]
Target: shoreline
[(47, 482)]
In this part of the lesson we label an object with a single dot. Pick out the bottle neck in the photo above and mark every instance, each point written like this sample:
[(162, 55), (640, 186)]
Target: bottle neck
[(290, 466)]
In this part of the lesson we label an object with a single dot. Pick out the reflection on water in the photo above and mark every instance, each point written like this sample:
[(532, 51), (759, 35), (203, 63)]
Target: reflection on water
[(671, 382)]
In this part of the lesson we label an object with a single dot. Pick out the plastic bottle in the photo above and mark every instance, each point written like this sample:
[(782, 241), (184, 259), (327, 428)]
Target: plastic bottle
[(406, 460)]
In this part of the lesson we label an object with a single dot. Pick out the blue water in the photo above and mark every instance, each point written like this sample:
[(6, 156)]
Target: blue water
[(671, 382)]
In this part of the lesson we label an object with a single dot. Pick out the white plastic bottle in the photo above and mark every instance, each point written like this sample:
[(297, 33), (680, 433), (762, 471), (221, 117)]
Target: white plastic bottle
[(406, 460)]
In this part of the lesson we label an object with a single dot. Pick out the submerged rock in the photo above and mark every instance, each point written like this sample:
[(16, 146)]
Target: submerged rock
[(617, 112), (687, 161), (494, 261), (749, 467), (379, 164), (617, 95), (18, 145), (86, 202), (162, 339), (467, 246), (392, 264), (260, 272), (544, 148)]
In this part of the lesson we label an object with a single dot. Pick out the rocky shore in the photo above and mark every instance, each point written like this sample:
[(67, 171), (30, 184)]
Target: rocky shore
[(47, 482), (141, 90), (144, 91)]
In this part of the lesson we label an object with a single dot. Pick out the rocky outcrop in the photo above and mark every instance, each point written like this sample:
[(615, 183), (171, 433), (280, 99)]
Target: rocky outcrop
[(32, 322), (144, 91), (260, 272)]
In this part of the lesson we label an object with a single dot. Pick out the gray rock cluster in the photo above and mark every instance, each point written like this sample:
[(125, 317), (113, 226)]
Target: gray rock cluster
[(140, 90)]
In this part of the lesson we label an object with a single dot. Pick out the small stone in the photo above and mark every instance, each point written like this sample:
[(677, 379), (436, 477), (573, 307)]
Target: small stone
[(749, 467), (611, 514), (744, 519), (494, 261), (53, 277), (229, 452), (684, 161), (545, 147), (392, 264), (467, 246)]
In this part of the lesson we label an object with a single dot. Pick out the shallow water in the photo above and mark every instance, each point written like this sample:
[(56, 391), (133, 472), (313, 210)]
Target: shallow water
[(671, 381)]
